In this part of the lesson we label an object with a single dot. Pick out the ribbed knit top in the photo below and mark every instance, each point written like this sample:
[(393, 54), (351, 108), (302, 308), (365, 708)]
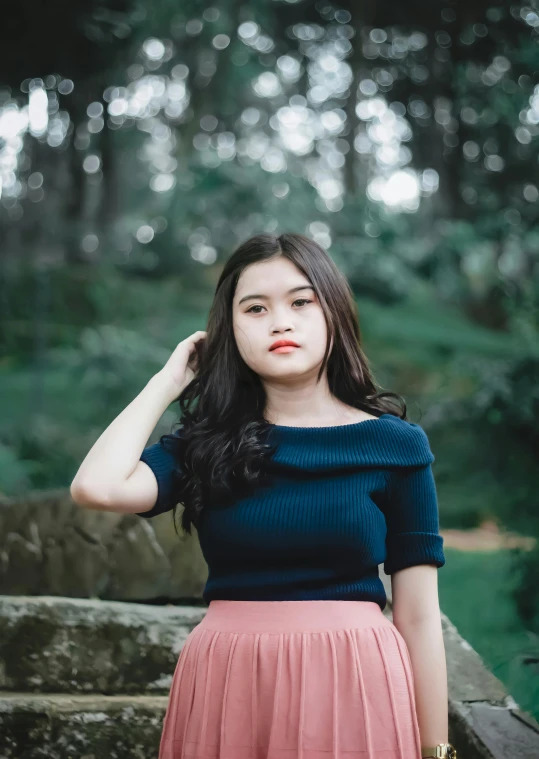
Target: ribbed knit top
[(342, 501)]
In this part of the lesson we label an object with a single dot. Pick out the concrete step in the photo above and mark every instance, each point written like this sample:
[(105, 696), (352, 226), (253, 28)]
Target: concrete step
[(53, 644), (60, 726)]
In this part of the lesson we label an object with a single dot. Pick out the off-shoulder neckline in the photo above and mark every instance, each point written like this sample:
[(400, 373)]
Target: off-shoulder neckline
[(289, 428)]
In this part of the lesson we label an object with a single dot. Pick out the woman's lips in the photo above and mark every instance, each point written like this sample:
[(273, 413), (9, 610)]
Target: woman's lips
[(284, 349)]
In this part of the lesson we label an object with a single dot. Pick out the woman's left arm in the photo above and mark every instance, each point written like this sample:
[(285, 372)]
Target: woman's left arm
[(413, 556), (416, 615)]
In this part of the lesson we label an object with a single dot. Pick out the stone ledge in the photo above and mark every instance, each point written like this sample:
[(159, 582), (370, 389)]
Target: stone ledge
[(69, 645), (80, 727), (493, 731)]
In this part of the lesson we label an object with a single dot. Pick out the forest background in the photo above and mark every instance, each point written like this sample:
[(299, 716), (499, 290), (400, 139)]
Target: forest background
[(141, 142)]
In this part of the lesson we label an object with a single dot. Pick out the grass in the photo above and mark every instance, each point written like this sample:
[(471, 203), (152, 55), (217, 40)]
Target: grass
[(474, 593)]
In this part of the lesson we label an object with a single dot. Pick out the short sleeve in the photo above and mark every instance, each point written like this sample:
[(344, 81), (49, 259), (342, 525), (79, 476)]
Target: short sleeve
[(412, 519), (162, 458)]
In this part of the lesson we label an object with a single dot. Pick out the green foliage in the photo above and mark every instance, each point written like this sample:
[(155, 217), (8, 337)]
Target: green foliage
[(525, 569), (15, 473), (506, 409)]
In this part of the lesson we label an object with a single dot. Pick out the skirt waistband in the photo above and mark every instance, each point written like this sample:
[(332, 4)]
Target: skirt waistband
[(292, 616)]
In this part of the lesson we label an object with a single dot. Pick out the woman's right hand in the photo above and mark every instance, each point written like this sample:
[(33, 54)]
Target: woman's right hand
[(183, 363)]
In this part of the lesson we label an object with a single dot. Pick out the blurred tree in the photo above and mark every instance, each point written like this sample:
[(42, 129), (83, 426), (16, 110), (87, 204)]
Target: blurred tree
[(140, 142)]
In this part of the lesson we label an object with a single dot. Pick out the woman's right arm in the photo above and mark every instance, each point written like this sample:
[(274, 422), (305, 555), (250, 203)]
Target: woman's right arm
[(112, 477)]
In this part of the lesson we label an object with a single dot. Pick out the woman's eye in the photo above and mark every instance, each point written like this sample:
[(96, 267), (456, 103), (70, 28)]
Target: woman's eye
[(298, 300)]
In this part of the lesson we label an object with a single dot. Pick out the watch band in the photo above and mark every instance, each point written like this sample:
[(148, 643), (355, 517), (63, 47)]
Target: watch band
[(440, 751)]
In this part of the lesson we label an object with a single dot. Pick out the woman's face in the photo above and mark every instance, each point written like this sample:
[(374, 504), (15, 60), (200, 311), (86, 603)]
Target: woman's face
[(264, 310)]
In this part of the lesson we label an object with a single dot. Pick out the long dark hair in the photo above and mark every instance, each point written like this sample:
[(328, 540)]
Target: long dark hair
[(222, 441)]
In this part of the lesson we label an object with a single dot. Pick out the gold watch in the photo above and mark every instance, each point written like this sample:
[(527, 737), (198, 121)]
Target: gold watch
[(440, 751)]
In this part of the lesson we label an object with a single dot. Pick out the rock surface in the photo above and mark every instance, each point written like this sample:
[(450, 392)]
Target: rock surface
[(50, 644), (58, 726), (51, 546)]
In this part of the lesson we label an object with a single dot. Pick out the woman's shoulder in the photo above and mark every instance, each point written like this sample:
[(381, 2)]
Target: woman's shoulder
[(389, 438), (407, 440)]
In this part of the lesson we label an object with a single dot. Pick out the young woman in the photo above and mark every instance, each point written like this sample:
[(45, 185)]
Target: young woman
[(300, 479)]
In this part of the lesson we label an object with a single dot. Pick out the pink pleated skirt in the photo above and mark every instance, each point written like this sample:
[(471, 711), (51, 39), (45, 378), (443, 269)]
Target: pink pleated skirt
[(292, 680)]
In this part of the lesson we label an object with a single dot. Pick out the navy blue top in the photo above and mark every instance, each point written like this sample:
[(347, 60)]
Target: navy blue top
[(342, 500)]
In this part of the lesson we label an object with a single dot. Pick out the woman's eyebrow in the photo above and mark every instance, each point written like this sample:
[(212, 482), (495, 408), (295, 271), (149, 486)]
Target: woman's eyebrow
[(261, 296)]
